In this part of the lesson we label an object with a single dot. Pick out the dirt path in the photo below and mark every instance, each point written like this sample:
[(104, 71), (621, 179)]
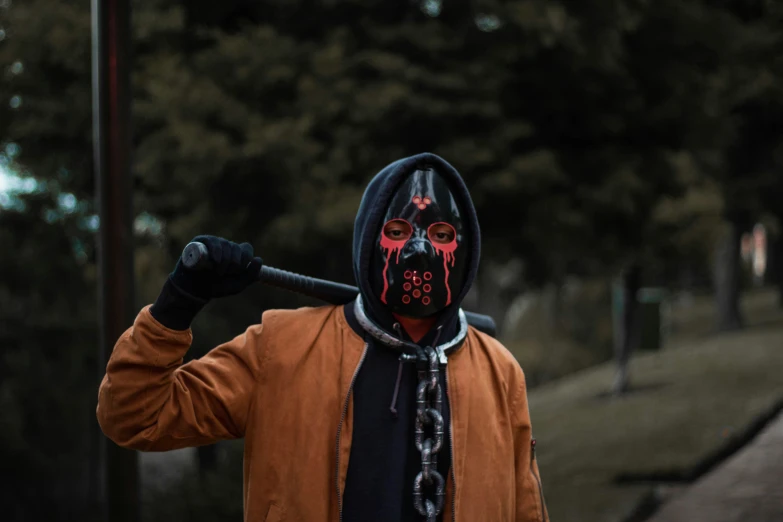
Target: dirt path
[(748, 486)]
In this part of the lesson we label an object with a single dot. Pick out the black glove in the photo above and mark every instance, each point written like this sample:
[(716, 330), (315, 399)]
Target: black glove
[(232, 269)]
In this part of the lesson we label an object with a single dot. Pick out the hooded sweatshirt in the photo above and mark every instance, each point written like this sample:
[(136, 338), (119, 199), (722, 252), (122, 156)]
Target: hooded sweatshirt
[(384, 460)]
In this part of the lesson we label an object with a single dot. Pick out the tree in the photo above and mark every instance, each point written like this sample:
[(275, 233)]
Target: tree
[(47, 311), (748, 96), (613, 100)]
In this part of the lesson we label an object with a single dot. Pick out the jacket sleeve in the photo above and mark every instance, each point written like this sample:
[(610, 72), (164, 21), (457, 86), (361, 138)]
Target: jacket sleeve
[(149, 401), (530, 504)]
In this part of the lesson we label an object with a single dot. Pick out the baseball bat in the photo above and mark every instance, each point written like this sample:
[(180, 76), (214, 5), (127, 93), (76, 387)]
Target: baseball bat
[(195, 256)]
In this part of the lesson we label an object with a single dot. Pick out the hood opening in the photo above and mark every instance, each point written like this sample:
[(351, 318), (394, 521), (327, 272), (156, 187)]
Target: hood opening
[(372, 209)]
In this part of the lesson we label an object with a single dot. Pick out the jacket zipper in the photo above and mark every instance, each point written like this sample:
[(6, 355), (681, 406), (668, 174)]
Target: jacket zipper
[(538, 481), (340, 429), (451, 450)]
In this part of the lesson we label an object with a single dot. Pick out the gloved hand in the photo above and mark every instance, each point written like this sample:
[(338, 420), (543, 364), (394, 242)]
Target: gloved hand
[(232, 269)]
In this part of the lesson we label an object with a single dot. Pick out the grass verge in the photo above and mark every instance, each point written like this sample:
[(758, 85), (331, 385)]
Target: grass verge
[(688, 403)]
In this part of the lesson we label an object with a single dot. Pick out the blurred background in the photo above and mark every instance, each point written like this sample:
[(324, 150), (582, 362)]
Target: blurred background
[(624, 157)]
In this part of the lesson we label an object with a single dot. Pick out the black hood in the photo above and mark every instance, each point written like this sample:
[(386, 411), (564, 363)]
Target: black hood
[(376, 199)]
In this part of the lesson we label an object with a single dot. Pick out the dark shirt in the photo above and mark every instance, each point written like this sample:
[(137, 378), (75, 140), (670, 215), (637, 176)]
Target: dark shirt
[(384, 460)]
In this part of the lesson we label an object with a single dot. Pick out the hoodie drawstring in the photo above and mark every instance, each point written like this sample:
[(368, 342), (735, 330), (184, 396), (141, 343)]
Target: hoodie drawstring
[(398, 329), (393, 407)]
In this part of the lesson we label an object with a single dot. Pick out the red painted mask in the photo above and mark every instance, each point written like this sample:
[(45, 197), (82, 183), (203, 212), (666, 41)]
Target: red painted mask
[(421, 257)]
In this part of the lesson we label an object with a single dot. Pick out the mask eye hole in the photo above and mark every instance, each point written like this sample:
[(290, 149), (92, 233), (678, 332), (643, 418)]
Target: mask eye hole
[(441, 233), (397, 230)]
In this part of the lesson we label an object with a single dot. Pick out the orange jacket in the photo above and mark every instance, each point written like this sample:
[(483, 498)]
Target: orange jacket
[(284, 385)]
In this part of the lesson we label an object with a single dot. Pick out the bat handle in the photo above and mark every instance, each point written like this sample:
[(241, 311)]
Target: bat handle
[(329, 291), (195, 256)]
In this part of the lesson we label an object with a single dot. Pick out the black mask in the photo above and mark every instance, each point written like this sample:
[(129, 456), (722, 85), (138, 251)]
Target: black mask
[(420, 260)]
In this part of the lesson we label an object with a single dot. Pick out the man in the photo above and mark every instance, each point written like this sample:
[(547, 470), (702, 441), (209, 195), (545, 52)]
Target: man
[(388, 409)]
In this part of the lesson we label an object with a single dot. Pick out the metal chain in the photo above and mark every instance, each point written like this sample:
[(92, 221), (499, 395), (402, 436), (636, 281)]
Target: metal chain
[(429, 424)]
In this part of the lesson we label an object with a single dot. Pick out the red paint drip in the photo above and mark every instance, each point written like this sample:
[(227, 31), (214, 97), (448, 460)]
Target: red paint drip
[(448, 255), (389, 245)]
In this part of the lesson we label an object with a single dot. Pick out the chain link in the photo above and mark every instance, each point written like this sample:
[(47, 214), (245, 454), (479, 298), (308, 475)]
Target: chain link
[(429, 421)]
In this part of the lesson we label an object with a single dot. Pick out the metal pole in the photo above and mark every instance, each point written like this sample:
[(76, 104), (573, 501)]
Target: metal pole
[(117, 480)]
